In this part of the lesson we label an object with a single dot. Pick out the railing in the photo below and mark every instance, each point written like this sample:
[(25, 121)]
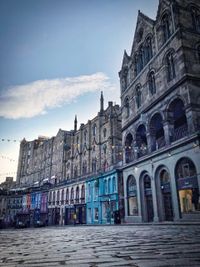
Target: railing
[(180, 132)]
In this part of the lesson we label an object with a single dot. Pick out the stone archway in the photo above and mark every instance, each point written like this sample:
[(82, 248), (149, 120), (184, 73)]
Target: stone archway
[(164, 195), (146, 198)]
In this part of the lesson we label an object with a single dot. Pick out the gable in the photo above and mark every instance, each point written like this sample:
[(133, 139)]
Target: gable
[(144, 27)]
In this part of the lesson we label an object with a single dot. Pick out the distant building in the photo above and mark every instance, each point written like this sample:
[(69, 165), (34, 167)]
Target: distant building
[(94, 147), (160, 98), (8, 184)]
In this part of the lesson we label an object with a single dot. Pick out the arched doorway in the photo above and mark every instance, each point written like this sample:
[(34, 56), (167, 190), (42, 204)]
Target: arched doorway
[(166, 195), (148, 201), (187, 185), (132, 196)]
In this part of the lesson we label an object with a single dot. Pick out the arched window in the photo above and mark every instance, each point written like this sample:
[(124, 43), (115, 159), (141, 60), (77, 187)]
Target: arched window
[(129, 154), (141, 141), (187, 185), (152, 83), (165, 27), (157, 132), (94, 130), (132, 196), (177, 119), (72, 195), (138, 96), (127, 107), (148, 49), (67, 196), (77, 194), (196, 18), (170, 67)]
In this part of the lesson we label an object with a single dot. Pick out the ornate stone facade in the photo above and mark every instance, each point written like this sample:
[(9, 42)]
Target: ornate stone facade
[(160, 83), (74, 155)]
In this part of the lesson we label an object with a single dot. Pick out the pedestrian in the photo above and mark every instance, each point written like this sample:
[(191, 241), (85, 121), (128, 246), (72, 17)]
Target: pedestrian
[(195, 197)]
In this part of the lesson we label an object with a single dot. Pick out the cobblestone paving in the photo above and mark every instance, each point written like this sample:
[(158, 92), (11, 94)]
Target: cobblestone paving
[(104, 246)]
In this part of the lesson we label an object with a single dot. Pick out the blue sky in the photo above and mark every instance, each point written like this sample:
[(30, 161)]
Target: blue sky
[(55, 58)]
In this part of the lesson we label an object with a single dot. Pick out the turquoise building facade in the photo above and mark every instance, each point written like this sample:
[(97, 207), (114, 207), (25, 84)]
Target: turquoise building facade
[(102, 199)]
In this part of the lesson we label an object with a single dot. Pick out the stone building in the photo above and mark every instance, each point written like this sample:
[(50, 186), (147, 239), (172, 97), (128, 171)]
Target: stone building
[(160, 98)]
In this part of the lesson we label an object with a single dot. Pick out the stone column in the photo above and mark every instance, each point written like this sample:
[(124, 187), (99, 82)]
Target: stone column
[(167, 132), (190, 122)]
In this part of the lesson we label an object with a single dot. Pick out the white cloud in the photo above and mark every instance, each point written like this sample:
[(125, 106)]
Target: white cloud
[(29, 100)]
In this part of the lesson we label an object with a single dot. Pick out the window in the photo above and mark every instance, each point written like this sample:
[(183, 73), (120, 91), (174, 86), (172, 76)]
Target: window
[(132, 196), (165, 28), (196, 18), (94, 129), (77, 194), (105, 186), (170, 67), (82, 193), (96, 214), (148, 49), (96, 190), (127, 107), (138, 97), (109, 186), (104, 132), (58, 196), (152, 83), (72, 195), (62, 196), (136, 63), (89, 193), (114, 184), (67, 195), (104, 148)]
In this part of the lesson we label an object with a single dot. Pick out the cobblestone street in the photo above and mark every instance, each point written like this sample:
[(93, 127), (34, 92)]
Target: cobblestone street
[(143, 246)]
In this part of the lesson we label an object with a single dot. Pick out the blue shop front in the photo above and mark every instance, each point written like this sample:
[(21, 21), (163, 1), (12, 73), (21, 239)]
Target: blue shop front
[(102, 201)]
